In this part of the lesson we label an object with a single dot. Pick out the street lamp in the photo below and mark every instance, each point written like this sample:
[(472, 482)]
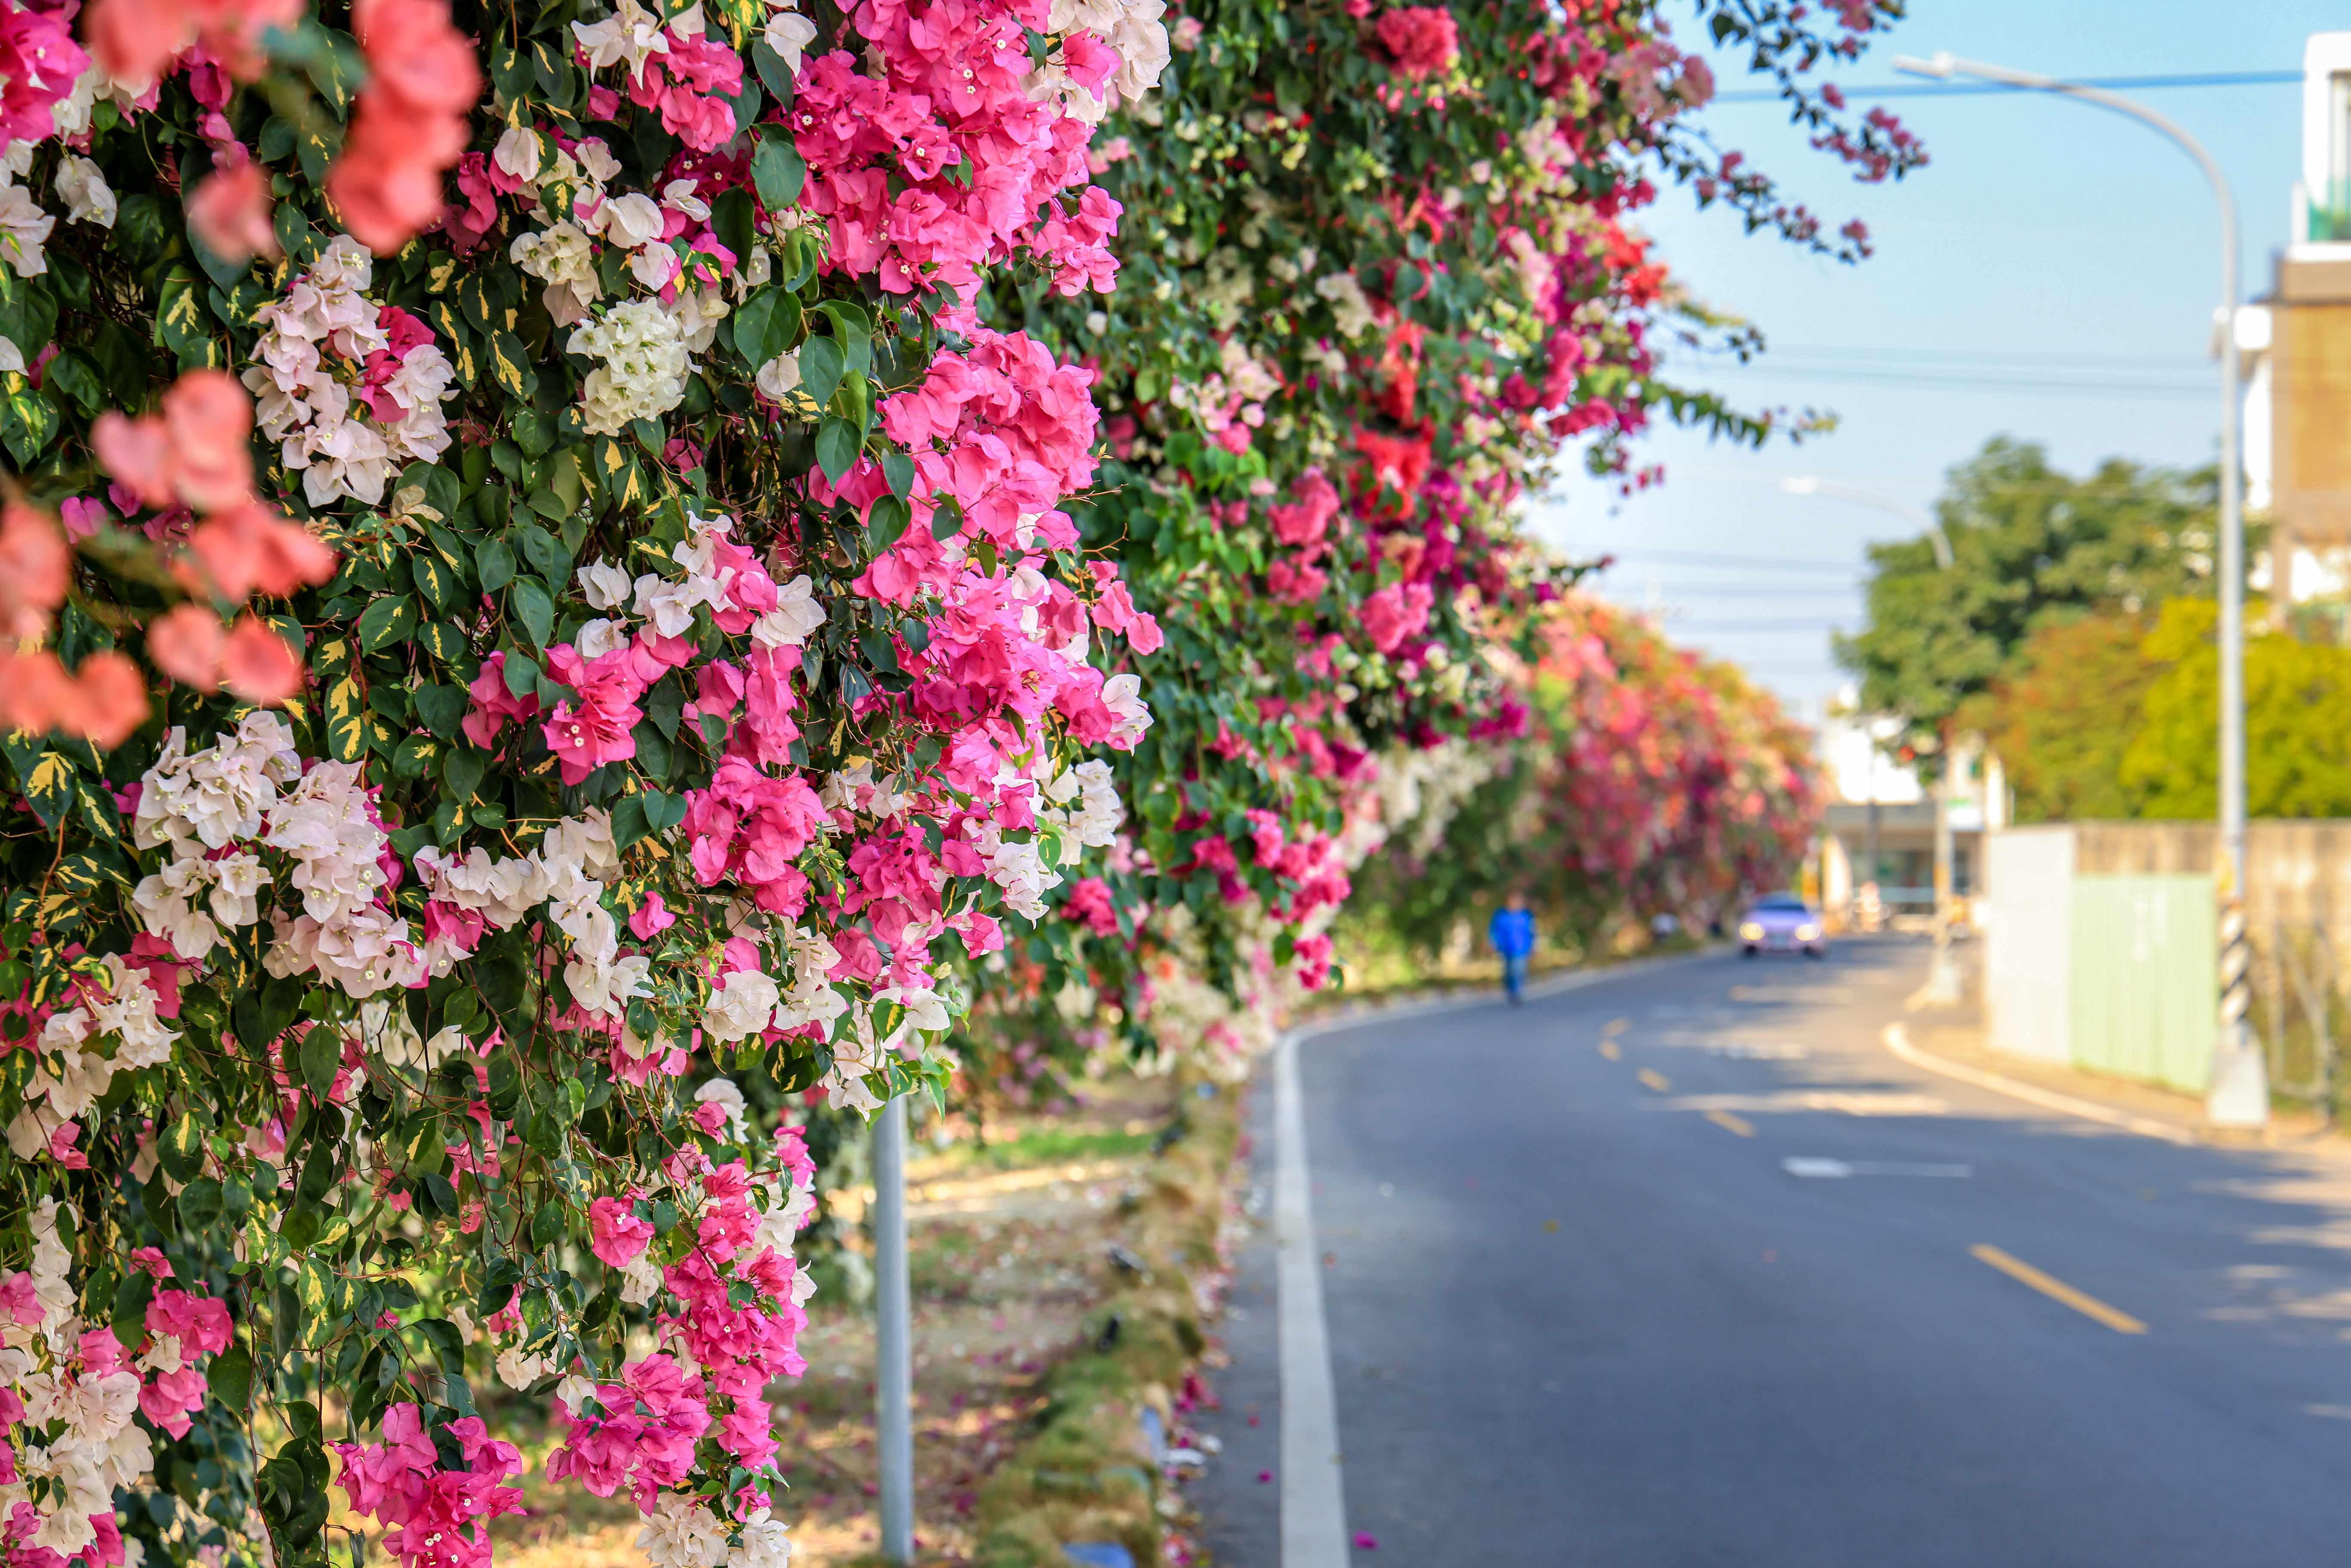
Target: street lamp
[(1943, 977), (1918, 516), (2239, 1093)]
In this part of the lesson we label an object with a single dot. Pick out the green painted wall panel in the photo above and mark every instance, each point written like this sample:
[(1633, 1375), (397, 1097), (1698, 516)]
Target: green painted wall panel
[(2144, 961)]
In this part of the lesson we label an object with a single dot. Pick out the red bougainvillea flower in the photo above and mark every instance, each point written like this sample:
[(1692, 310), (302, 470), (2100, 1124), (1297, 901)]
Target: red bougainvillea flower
[(1420, 39)]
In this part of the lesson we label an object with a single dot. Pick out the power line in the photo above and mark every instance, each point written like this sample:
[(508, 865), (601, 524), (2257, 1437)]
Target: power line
[(1974, 89), (1752, 562), (1953, 382)]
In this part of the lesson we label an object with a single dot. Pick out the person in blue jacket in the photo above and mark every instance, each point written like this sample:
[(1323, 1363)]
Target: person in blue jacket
[(1512, 933)]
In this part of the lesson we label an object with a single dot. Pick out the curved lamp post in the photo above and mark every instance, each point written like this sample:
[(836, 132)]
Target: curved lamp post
[(2239, 1093)]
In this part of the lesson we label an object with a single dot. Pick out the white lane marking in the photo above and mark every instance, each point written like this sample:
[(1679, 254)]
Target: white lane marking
[(1760, 1052), (1819, 1168), (1897, 1040), (1313, 1494)]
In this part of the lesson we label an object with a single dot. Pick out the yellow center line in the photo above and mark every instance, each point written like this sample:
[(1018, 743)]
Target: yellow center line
[(1728, 1122), (1615, 1026), (1609, 1049), (1652, 1079), (2057, 1290)]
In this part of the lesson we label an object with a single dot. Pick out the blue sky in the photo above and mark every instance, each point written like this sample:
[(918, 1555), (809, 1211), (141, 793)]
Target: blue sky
[(2047, 245)]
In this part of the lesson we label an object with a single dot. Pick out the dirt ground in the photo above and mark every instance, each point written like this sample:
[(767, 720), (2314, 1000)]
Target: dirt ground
[(1011, 1244)]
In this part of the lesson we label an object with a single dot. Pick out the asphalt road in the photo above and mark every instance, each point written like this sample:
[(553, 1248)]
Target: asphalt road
[(1582, 1311)]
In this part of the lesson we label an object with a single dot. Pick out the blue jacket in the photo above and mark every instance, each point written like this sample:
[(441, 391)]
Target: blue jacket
[(1512, 932)]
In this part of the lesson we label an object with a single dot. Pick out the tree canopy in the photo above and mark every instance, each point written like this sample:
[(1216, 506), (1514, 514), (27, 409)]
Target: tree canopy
[(2032, 547)]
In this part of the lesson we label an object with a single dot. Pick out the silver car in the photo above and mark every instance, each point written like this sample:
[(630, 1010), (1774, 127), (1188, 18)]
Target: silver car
[(1782, 923)]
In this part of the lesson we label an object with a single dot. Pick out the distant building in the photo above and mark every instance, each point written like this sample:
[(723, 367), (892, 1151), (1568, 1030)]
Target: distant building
[(1880, 823), (2296, 346)]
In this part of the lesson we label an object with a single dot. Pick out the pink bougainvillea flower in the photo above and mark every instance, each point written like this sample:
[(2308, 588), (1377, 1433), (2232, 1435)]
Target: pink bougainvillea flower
[(615, 1233), (39, 63)]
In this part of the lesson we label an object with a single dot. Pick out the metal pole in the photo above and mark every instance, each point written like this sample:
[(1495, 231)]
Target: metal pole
[(2239, 1093), (893, 1372), (1943, 977)]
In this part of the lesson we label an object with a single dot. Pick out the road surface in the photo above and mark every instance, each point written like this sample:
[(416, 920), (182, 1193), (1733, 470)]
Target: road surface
[(1581, 1308)]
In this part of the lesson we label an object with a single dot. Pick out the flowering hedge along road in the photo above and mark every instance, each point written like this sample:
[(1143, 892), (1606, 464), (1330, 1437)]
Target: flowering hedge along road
[(563, 583), (1375, 276)]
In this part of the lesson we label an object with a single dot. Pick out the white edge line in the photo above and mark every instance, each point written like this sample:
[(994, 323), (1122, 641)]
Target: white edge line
[(1313, 1499), (1897, 1040), (1313, 1489)]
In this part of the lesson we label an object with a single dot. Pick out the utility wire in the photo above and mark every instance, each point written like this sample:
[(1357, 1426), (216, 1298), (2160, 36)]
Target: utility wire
[(1751, 563), (1974, 89)]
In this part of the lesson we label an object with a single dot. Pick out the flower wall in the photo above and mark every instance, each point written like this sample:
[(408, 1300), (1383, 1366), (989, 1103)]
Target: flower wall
[(573, 583)]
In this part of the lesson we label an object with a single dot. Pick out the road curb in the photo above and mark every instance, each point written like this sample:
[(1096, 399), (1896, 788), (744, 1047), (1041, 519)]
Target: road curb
[(1896, 1038)]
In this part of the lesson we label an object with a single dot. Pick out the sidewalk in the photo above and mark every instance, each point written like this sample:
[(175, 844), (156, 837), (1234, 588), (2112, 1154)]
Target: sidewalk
[(1956, 1035)]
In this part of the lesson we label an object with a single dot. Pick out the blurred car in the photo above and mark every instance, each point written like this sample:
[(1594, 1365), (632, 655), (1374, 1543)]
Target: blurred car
[(1782, 923)]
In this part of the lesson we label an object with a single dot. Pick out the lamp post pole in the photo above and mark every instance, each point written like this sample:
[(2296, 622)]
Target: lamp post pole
[(1943, 977), (2239, 1092), (894, 1336)]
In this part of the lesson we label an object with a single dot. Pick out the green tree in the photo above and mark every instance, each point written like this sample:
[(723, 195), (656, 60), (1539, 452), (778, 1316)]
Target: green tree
[(2297, 723), (2031, 546), (2063, 721)]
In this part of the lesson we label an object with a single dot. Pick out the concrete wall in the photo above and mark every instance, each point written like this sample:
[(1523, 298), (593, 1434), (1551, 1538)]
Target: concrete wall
[(2298, 912), (2028, 941)]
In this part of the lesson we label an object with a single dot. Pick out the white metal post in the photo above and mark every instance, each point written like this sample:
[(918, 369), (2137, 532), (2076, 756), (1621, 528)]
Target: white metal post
[(893, 1371), (2239, 1094)]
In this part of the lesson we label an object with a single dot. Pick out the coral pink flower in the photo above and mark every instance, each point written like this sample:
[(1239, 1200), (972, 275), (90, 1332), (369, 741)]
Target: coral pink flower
[(257, 665), (102, 702), (184, 643), (35, 568), (251, 550), (230, 211), (409, 127)]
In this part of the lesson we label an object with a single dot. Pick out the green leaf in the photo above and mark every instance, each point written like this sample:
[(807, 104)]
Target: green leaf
[(230, 1376), (531, 605), (836, 447), (821, 368), (886, 521), (494, 559), (779, 81), (777, 171), (28, 421), (47, 779), (72, 373), (200, 1205), (321, 1059), (433, 579), (386, 622), (546, 553), (442, 708), (854, 329), (898, 471), (180, 1150), (345, 707), (509, 365)]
